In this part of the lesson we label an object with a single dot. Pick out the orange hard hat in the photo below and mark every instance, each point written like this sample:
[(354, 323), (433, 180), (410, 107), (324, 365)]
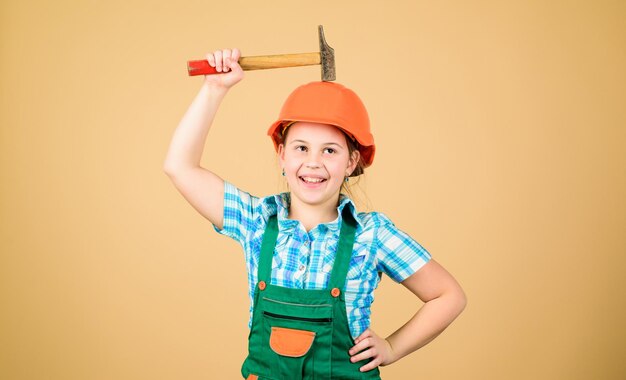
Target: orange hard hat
[(327, 103)]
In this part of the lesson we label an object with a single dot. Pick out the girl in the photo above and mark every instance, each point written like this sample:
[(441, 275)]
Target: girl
[(313, 261)]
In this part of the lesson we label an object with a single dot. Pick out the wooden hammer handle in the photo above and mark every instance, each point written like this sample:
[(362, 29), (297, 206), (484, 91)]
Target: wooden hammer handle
[(202, 67)]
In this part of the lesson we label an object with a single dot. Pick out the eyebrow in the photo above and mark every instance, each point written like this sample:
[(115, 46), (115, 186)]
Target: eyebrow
[(305, 142)]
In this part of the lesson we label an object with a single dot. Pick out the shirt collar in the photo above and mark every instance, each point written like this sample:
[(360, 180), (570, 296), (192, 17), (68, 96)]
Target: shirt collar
[(345, 201), (278, 204)]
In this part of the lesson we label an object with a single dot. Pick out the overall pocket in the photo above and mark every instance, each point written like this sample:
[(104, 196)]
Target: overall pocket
[(298, 339), (291, 342)]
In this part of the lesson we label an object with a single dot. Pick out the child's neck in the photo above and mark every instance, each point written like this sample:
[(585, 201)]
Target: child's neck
[(312, 215)]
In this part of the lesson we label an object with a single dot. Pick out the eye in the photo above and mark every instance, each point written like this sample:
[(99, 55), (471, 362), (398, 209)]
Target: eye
[(301, 148), (330, 150)]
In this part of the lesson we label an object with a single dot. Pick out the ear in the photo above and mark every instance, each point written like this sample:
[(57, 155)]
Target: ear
[(281, 155), (354, 160)]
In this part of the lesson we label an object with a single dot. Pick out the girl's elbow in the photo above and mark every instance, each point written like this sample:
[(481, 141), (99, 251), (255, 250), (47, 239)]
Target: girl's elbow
[(460, 301)]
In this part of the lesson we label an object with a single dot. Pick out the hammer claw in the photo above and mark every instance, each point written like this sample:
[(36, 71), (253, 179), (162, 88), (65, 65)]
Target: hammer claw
[(327, 58)]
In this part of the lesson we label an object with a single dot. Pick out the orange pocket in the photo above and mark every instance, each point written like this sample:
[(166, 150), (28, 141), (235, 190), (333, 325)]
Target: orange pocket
[(252, 377), (291, 342)]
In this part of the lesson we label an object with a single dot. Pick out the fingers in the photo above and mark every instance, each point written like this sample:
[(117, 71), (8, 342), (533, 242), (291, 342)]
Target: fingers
[(372, 353), (236, 54), (226, 53), (366, 334), (223, 59), (211, 59), (368, 345), (218, 60), (362, 344), (362, 349), (371, 365)]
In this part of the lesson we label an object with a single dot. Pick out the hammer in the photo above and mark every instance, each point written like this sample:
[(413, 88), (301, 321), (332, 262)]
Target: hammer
[(325, 57)]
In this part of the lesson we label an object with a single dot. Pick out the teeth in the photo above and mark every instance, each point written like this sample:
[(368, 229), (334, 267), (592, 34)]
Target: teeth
[(312, 180)]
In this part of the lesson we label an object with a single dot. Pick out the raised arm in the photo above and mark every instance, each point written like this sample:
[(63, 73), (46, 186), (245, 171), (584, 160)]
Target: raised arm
[(203, 189)]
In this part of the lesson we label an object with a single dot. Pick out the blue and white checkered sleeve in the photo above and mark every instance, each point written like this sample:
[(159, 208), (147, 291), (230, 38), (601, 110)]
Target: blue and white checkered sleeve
[(399, 255), (239, 208)]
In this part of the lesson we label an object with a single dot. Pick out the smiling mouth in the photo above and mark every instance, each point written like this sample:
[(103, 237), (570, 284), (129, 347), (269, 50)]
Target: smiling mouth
[(312, 180)]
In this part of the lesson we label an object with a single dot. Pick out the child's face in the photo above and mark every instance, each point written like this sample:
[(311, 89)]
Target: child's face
[(316, 160)]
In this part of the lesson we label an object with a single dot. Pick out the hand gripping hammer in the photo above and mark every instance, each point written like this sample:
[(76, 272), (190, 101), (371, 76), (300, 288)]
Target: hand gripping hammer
[(325, 57)]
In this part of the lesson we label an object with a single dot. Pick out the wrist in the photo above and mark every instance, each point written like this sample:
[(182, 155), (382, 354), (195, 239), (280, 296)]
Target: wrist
[(392, 356), (213, 91), (215, 88)]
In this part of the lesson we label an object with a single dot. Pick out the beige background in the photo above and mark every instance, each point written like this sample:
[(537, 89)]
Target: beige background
[(500, 128)]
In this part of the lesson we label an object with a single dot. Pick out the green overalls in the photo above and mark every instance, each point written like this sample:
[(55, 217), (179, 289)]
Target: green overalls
[(300, 333)]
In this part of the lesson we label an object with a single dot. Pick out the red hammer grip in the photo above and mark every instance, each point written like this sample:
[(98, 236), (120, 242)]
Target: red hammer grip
[(200, 67)]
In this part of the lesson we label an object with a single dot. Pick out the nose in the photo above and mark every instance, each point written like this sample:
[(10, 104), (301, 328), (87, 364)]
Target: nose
[(312, 165), (313, 160)]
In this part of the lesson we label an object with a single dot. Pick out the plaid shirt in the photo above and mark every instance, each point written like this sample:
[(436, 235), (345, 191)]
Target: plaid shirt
[(304, 259)]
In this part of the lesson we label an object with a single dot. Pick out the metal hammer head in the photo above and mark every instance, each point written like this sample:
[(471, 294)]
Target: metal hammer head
[(327, 58)]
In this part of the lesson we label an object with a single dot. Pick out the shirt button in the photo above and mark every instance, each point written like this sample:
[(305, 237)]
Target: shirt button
[(302, 267)]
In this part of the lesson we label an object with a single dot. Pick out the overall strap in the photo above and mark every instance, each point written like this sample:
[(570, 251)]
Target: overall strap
[(264, 270), (344, 251)]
